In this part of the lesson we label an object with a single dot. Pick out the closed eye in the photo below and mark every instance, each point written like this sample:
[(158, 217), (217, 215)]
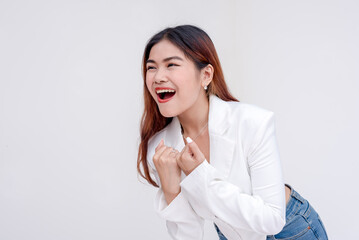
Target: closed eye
[(172, 65)]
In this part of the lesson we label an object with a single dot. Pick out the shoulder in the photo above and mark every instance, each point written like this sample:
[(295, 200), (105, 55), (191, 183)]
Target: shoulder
[(248, 115), (250, 120), (240, 116), (240, 110), (252, 124)]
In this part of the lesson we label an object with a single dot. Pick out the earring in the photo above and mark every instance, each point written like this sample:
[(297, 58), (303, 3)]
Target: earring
[(205, 87)]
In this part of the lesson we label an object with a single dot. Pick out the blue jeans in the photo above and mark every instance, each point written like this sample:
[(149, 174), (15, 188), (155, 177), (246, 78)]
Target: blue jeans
[(302, 221)]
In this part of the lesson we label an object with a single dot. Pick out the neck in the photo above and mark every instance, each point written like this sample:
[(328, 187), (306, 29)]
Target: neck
[(195, 118)]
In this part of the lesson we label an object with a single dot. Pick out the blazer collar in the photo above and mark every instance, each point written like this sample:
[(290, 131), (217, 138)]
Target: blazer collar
[(217, 117), (221, 144)]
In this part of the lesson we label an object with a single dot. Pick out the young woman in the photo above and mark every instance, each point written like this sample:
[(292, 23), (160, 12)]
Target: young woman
[(212, 157)]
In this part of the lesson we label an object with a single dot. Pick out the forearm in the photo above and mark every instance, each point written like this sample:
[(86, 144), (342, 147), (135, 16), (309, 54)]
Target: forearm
[(213, 197), (181, 220)]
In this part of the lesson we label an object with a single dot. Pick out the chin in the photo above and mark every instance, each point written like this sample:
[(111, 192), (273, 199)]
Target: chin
[(168, 114)]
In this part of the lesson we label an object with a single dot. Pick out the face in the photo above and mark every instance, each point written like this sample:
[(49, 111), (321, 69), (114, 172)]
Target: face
[(172, 79)]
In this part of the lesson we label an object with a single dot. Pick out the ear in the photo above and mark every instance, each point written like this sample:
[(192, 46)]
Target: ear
[(207, 75)]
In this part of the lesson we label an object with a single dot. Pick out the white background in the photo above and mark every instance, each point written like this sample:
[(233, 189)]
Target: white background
[(71, 102)]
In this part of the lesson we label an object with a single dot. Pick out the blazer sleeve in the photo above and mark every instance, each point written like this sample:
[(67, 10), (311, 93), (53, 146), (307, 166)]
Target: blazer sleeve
[(263, 211), (181, 220)]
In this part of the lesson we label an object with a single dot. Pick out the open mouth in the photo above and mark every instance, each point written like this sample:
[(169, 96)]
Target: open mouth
[(164, 95)]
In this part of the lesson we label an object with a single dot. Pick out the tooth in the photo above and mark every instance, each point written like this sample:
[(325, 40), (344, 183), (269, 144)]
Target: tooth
[(165, 90)]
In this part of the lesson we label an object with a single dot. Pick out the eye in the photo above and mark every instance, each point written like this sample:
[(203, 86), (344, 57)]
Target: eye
[(150, 67), (172, 65)]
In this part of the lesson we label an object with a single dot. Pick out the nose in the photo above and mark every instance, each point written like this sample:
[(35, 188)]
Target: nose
[(160, 76)]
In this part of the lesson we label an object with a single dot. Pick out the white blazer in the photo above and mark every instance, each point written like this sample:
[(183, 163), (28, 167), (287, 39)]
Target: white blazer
[(241, 190)]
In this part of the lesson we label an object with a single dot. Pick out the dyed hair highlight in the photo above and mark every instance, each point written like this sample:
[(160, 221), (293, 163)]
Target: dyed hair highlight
[(197, 46)]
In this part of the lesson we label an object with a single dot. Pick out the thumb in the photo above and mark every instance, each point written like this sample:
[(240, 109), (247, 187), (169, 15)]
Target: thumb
[(194, 149)]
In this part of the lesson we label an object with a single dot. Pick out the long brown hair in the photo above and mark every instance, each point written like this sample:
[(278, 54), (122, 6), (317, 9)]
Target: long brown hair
[(197, 46)]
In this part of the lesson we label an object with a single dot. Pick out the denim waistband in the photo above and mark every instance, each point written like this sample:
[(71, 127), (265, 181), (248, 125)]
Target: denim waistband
[(292, 203)]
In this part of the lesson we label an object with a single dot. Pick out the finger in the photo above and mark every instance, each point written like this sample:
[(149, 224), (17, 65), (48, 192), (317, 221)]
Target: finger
[(159, 145), (186, 150), (178, 159), (174, 153), (193, 149), (167, 152), (189, 140), (159, 152), (179, 156)]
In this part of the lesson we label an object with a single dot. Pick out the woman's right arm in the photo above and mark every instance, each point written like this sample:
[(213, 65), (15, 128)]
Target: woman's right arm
[(170, 204)]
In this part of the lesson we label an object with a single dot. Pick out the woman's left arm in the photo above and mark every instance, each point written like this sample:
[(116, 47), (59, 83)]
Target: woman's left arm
[(263, 211)]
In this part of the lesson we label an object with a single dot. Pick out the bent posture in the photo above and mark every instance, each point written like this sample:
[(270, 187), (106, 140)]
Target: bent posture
[(212, 157)]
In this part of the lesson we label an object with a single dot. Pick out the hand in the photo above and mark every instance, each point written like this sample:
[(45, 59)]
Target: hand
[(168, 170), (190, 157)]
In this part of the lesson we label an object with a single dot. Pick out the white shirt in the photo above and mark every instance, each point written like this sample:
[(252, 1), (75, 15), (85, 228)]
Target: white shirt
[(241, 190)]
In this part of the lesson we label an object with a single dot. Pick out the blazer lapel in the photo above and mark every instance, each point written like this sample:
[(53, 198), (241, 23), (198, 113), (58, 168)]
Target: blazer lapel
[(222, 143), (173, 136)]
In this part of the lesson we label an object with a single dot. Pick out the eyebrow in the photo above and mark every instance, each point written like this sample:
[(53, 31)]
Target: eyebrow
[(165, 60)]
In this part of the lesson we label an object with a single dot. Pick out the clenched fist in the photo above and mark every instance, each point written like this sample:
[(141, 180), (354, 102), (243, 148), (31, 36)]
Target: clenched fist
[(165, 160), (169, 163), (190, 157)]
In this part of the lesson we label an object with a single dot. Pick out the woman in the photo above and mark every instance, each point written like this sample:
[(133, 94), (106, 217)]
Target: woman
[(212, 157)]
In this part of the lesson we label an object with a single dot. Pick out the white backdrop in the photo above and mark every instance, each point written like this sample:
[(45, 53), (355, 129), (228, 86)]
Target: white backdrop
[(71, 102)]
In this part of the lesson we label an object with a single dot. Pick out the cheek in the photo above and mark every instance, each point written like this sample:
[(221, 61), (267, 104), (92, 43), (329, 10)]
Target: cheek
[(148, 82), (191, 83)]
